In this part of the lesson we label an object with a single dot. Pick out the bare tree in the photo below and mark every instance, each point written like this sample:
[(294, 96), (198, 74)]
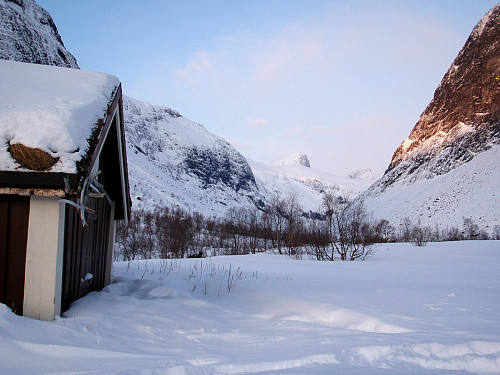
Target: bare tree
[(358, 237), (318, 239), (496, 233), (254, 230), (179, 232), (419, 234), (471, 229), (333, 210), (350, 232), (294, 223), (406, 228), (278, 209), (383, 231)]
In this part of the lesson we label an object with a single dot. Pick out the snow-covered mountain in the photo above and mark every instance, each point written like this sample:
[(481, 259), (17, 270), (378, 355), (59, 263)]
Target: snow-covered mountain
[(449, 166), (362, 174), (307, 184), (174, 161), (295, 159), (28, 34)]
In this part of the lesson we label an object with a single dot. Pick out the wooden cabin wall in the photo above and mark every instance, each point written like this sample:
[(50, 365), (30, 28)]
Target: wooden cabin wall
[(85, 251), (14, 218)]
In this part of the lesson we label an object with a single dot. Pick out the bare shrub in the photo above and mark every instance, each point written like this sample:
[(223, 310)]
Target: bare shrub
[(419, 234)]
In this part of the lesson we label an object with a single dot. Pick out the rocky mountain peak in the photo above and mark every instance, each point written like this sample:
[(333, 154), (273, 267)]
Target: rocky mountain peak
[(295, 158), (28, 34), (468, 95), (362, 174), (448, 169)]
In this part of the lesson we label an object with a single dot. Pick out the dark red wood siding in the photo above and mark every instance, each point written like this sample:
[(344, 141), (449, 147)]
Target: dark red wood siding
[(14, 217), (85, 251)]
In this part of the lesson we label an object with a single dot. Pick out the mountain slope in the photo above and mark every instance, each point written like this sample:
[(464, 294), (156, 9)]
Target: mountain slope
[(307, 184), (469, 94), (448, 167), (176, 162), (293, 159), (173, 161), (28, 34)]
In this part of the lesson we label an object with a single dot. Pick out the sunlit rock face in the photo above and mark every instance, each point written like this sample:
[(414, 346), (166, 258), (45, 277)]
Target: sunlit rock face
[(463, 117), (449, 166)]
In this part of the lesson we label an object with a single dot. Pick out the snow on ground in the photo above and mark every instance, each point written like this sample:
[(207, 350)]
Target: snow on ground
[(407, 310), (469, 191)]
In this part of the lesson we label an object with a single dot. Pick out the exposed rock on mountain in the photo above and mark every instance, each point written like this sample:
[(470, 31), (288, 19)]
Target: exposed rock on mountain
[(176, 162), (307, 184), (28, 34), (466, 104), (173, 161), (362, 174), (449, 166), (295, 158)]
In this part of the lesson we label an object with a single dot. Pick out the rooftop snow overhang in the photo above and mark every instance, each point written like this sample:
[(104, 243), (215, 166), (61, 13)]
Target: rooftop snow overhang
[(80, 108)]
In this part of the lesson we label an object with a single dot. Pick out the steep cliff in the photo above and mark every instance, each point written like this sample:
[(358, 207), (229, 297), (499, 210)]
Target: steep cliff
[(465, 110), (448, 168), (28, 34), (174, 161)]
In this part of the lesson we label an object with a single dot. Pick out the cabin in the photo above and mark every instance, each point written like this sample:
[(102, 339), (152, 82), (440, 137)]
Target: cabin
[(63, 185)]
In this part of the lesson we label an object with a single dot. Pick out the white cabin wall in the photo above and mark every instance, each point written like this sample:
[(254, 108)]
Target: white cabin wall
[(44, 258)]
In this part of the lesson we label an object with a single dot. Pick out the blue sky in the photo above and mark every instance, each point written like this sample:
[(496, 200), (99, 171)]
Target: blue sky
[(341, 81)]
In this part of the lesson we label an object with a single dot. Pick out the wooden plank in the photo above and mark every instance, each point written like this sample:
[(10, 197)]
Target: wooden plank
[(85, 251), (72, 254), (67, 263), (15, 259), (36, 179), (4, 230)]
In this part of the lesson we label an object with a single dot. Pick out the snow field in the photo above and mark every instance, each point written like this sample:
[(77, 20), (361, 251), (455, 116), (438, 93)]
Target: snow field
[(469, 191), (407, 310)]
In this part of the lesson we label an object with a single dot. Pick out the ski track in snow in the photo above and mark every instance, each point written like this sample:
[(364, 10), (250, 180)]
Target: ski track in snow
[(407, 310)]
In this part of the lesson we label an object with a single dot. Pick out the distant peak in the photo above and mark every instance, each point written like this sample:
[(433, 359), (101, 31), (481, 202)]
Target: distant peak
[(362, 174), (295, 158)]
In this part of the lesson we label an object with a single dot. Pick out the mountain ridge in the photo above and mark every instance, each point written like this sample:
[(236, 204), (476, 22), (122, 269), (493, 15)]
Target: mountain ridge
[(435, 175), (183, 163), (28, 34), (469, 93)]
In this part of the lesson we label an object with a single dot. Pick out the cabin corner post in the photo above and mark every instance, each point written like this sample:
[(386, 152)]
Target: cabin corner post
[(111, 246), (44, 258)]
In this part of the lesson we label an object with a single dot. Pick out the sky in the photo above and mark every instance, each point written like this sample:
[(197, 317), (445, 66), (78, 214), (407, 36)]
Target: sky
[(341, 81)]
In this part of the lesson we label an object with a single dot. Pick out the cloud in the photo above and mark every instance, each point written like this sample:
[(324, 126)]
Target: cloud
[(193, 71), (278, 60), (256, 123)]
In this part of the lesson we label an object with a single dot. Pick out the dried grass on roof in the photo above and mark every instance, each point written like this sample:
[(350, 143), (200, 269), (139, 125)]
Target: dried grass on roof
[(32, 158)]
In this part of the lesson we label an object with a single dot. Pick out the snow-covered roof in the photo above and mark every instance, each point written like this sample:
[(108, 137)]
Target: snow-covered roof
[(51, 108)]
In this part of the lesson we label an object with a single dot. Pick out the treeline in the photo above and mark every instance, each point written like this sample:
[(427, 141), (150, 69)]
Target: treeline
[(341, 230)]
